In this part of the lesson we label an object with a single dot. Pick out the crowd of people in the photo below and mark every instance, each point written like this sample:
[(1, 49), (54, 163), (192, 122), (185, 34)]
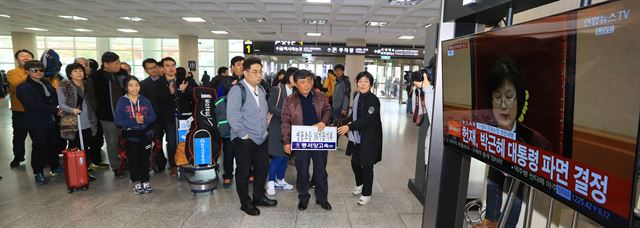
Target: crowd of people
[(105, 104)]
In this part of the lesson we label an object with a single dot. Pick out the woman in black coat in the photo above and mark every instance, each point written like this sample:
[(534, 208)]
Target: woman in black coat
[(365, 136)]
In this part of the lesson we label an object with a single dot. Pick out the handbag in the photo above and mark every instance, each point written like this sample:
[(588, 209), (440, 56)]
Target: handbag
[(68, 125), (270, 115)]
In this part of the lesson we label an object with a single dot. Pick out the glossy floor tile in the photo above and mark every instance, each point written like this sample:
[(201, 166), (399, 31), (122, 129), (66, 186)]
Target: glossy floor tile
[(110, 202)]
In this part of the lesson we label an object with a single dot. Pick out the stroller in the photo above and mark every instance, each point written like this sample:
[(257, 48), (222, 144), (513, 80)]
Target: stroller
[(199, 143)]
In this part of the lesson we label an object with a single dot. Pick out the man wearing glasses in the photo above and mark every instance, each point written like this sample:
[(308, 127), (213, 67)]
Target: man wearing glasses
[(40, 104), (248, 120), (15, 77)]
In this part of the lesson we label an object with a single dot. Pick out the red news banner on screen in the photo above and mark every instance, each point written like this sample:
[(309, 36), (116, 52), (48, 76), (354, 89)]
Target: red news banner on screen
[(592, 188)]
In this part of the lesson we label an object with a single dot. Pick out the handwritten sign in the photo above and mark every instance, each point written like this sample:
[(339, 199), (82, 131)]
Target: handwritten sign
[(309, 138)]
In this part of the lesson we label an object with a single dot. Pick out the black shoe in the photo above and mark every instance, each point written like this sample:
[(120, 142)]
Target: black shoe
[(302, 205), (119, 173), (265, 202), (15, 162), (226, 183), (250, 210), (91, 177), (101, 165), (324, 205)]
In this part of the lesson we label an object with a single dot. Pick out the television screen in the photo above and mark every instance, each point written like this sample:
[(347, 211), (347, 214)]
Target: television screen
[(555, 103)]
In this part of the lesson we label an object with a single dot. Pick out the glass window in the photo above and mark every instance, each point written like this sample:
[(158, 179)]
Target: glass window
[(206, 58), (66, 56), (157, 55), (120, 43), (40, 42), (235, 46), (137, 44), (125, 56), (59, 42), (5, 42), (7, 66), (173, 54), (170, 45), (206, 45), (6, 55), (89, 54), (85, 43), (151, 44)]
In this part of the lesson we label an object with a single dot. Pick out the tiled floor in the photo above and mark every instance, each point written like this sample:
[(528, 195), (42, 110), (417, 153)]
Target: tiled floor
[(110, 202)]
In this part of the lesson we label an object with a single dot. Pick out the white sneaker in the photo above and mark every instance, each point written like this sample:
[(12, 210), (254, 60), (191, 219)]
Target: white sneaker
[(357, 190), (137, 188), (364, 200), (147, 187), (271, 188), (281, 184)]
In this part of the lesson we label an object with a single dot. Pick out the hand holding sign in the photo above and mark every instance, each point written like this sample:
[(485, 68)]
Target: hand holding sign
[(287, 149), (320, 126)]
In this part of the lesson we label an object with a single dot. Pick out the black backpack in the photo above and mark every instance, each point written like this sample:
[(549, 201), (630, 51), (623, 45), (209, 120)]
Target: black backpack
[(221, 112)]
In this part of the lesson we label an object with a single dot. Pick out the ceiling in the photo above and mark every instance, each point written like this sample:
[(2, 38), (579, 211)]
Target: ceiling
[(345, 19)]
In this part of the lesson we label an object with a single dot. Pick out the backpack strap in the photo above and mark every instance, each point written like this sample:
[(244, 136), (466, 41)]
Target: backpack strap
[(243, 93)]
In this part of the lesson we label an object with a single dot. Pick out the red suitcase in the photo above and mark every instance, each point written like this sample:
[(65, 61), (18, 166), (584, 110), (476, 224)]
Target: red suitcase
[(75, 166)]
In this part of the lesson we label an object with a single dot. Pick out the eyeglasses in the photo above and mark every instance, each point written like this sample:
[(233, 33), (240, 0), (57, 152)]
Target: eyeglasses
[(35, 70)]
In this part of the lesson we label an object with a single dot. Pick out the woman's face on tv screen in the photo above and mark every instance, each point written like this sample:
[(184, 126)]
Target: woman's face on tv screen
[(505, 105)]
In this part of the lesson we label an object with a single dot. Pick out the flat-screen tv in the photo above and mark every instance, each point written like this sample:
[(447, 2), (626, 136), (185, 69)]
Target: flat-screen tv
[(555, 103)]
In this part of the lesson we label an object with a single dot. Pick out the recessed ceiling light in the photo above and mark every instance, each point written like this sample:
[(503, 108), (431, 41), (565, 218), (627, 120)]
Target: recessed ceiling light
[(406, 37), (35, 29), (83, 30), (315, 21), (314, 34), (254, 20), (134, 19), (4, 15), (75, 18), (376, 23), (404, 2), (219, 32), (127, 30), (193, 19), (318, 1)]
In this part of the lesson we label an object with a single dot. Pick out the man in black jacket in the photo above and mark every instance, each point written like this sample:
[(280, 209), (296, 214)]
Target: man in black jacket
[(40, 104), (109, 87), (170, 92), (156, 90)]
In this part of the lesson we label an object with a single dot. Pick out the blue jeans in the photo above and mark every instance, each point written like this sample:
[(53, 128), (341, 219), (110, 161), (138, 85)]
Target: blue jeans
[(277, 168), (495, 181), (409, 104)]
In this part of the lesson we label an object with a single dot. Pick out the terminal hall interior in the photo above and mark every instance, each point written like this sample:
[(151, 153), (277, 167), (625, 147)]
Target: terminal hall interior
[(319, 113)]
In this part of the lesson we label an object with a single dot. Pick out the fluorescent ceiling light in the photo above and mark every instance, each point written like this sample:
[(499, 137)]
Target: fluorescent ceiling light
[(127, 30), (83, 30), (315, 21), (427, 26), (135, 19), (404, 2), (4, 15), (35, 29), (314, 34), (254, 20), (193, 19), (75, 18), (318, 1), (219, 32), (406, 37), (376, 23)]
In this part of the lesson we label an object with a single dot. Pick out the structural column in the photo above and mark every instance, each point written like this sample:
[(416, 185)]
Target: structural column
[(188, 46), (221, 48), (354, 64), (24, 40)]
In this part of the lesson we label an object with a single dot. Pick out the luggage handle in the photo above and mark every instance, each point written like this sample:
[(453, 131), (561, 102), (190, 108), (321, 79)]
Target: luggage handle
[(80, 133)]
